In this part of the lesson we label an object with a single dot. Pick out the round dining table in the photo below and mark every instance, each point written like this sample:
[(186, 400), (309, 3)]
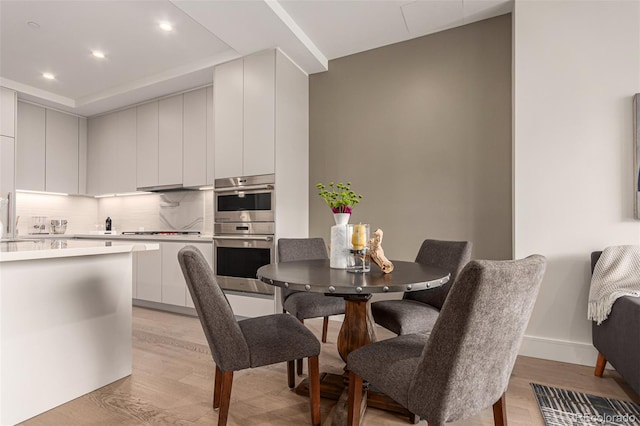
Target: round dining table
[(358, 328)]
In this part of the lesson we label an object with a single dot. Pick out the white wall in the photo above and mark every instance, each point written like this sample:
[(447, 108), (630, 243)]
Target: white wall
[(576, 68)]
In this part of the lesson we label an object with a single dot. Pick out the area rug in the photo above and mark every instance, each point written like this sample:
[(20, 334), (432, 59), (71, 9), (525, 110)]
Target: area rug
[(561, 407)]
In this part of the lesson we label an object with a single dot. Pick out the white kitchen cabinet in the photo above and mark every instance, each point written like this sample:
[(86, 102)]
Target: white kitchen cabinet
[(210, 137), (111, 153), (244, 111), (30, 150), (61, 159), (82, 156), (148, 278), (194, 162), (259, 114), (174, 287), (7, 183), (228, 117), (147, 145), (7, 112), (170, 129)]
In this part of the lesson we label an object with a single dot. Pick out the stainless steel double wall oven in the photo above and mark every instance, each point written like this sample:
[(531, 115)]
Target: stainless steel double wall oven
[(244, 231)]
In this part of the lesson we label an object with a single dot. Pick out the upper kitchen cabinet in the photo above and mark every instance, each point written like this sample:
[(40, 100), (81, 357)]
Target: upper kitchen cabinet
[(246, 117), (30, 152), (61, 159), (228, 83), (50, 150), (166, 129), (111, 153), (147, 145), (7, 112), (195, 149), (170, 128)]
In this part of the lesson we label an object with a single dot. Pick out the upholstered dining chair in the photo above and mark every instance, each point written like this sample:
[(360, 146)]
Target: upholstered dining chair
[(253, 342), (418, 310), (464, 365), (301, 304)]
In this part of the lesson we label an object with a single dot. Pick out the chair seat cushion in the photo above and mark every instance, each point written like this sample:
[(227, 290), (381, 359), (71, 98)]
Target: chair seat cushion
[(389, 365), (277, 338), (404, 316), (304, 305)]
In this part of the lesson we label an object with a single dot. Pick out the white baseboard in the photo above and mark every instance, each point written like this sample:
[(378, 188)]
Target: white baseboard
[(559, 350)]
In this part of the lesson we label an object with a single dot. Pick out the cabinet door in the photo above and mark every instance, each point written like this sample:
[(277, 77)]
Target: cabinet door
[(228, 118), (30, 148), (149, 275), (147, 145), (194, 163), (170, 140), (61, 159), (259, 114), (7, 112), (123, 172), (7, 183), (97, 154), (210, 139), (82, 156), (207, 252), (174, 289)]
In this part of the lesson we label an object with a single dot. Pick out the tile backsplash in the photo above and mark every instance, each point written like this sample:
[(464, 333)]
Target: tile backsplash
[(80, 212), (181, 210)]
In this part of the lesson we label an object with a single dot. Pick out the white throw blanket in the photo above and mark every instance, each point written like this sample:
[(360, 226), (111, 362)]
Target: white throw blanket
[(617, 274)]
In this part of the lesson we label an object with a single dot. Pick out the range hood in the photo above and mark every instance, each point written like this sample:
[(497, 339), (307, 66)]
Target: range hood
[(167, 188)]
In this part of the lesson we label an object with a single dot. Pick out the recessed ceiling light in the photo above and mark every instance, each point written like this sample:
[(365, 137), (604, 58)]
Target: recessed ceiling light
[(48, 76), (97, 54), (166, 26), (33, 25)]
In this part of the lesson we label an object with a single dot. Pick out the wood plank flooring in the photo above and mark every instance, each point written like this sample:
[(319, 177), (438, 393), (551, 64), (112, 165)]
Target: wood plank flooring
[(173, 374)]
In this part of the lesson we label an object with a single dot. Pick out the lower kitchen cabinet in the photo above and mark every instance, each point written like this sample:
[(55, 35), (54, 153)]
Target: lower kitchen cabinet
[(148, 275), (159, 278)]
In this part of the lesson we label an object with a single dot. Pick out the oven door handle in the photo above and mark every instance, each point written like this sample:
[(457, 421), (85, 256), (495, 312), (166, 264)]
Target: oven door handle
[(246, 238), (243, 188)]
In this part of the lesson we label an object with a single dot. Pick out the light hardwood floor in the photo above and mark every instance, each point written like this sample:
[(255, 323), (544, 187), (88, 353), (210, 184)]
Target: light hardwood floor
[(173, 373)]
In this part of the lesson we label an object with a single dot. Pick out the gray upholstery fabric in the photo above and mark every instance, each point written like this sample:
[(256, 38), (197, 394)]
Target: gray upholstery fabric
[(251, 343), (418, 310), (397, 357), (618, 337), (270, 339), (228, 347), (307, 305), (405, 316), (313, 305), (465, 365)]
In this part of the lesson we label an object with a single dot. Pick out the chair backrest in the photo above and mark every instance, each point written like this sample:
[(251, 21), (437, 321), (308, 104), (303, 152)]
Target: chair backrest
[(292, 249), (466, 364), (449, 255), (227, 343), (595, 256)]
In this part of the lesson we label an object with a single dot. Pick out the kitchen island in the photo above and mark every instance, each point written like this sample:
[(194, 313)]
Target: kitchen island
[(65, 321)]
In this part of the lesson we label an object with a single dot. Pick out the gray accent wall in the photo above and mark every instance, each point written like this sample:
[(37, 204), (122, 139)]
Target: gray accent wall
[(422, 129)]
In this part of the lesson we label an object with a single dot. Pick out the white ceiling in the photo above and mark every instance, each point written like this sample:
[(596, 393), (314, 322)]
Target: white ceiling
[(144, 62)]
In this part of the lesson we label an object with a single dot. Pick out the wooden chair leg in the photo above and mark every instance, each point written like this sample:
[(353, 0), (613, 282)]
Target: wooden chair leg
[(600, 364), (217, 387), (314, 389), (225, 398), (325, 326), (355, 399), (299, 361), (291, 375), (500, 411)]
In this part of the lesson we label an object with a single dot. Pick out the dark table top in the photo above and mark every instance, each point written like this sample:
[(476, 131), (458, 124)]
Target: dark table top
[(317, 276)]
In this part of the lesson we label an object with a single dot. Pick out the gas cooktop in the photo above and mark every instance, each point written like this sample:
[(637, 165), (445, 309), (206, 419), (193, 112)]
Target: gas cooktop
[(161, 233)]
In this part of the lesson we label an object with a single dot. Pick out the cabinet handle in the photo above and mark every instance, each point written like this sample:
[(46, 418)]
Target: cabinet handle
[(232, 237)]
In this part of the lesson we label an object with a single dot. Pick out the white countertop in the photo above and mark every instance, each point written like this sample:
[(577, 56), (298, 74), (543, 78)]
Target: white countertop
[(205, 238), (54, 248)]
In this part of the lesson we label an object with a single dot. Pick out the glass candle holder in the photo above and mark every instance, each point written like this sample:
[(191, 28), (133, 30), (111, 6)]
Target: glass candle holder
[(357, 248)]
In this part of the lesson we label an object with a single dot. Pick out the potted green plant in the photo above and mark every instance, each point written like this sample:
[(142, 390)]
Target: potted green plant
[(340, 198)]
